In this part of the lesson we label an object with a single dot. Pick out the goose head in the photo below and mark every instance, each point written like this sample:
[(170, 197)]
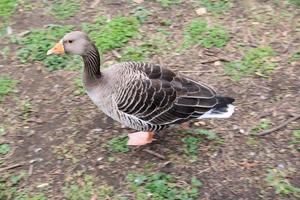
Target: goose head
[(75, 42)]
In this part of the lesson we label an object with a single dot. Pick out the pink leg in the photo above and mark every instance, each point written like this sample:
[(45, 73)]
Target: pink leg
[(140, 138)]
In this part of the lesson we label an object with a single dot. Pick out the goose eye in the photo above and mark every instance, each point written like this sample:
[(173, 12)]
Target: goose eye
[(70, 41)]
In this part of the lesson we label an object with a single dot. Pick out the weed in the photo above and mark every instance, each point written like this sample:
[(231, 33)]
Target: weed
[(86, 190), (4, 149), (210, 135), (65, 9), (7, 86), (264, 124), (192, 144), (198, 32), (168, 3), (278, 180), (79, 87), (109, 35), (160, 186), (39, 41), (118, 144), (256, 61), (217, 6)]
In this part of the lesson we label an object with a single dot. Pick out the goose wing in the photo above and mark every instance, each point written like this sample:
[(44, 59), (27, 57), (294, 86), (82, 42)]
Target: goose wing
[(163, 97)]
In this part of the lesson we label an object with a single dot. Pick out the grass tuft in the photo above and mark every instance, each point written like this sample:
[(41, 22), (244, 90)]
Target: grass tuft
[(278, 179), (264, 124), (7, 86), (38, 41), (168, 3), (159, 186), (216, 6), (7, 8), (109, 35), (64, 9), (118, 144), (295, 2), (198, 32), (87, 190), (256, 61)]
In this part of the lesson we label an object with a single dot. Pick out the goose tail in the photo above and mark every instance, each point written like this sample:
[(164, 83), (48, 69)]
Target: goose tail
[(224, 109)]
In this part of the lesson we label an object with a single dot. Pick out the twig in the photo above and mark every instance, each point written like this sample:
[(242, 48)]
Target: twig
[(198, 72), (116, 54), (11, 167), (296, 117), (154, 154), (215, 60)]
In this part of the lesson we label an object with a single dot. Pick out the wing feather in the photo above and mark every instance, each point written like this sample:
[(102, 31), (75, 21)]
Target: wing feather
[(161, 97)]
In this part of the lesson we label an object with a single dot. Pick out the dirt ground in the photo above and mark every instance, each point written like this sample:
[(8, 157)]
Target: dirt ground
[(65, 135)]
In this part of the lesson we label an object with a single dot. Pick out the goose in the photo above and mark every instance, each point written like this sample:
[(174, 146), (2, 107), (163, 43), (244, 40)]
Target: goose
[(143, 96)]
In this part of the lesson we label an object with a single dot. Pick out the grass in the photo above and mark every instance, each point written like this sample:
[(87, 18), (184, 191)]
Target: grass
[(109, 35), (192, 145), (264, 124), (86, 189), (38, 41), (7, 86), (296, 136), (294, 57), (162, 186), (9, 188), (198, 32), (168, 3), (141, 14), (118, 144), (4, 149), (64, 9), (79, 87), (26, 109), (256, 61), (7, 8), (295, 2), (193, 140), (156, 44), (278, 179), (216, 6), (2, 130)]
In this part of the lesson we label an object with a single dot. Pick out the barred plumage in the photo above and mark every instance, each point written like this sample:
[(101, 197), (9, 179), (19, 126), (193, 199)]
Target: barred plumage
[(144, 96)]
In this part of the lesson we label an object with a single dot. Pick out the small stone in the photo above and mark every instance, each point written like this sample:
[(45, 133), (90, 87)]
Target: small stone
[(138, 1), (252, 153), (99, 159), (281, 166), (201, 11), (42, 185), (37, 150)]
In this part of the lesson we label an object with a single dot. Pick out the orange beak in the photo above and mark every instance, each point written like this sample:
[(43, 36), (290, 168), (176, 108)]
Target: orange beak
[(57, 49)]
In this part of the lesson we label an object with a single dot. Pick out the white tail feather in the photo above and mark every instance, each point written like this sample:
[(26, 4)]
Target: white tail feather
[(210, 114)]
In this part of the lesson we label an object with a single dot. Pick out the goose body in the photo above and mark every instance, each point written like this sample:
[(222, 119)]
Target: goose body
[(143, 96)]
